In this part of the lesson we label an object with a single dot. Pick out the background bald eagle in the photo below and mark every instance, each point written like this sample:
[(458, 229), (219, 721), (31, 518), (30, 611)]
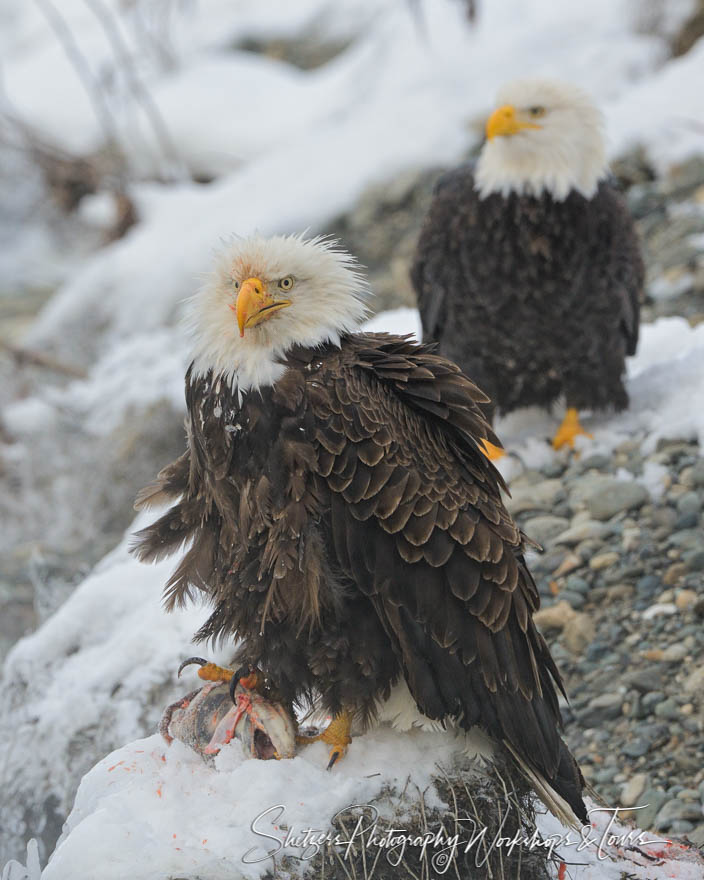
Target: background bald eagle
[(342, 519), (527, 271)]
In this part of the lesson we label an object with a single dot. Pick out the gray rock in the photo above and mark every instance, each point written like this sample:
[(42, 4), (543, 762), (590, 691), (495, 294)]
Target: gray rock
[(675, 653), (577, 584), (651, 801), (652, 699), (597, 462), (681, 826), (687, 521), (689, 502), (543, 528), (697, 475), (674, 810), (604, 560), (667, 709), (583, 531), (539, 496), (694, 560), (610, 496), (644, 680), (636, 748), (648, 585), (602, 708), (687, 539), (633, 789), (694, 684), (576, 600)]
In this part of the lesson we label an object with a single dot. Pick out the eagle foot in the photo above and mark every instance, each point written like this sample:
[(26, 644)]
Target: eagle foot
[(493, 453), (336, 735), (230, 704), (248, 676), (569, 430)]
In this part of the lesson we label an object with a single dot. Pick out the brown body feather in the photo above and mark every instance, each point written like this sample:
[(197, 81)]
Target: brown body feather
[(349, 531), (532, 296)]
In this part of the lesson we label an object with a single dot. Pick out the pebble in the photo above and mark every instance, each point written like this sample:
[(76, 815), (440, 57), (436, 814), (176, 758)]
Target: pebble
[(633, 789), (686, 599), (614, 496), (644, 680), (694, 560), (674, 810), (554, 617), (604, 560), (636, 748), (543, 528), (652, 699), (601, 708), (675, 653), (576, 600), (648, 585), (578, 633), (694, 684), (674, 573), (687, 521), (583, 531), (577, 584), (539, 496), (651, 800), (667, 709), (697, 473), (568, 564), (689, 503)]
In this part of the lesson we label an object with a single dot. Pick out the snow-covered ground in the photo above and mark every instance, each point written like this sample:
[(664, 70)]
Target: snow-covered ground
[(289, 149), (149, 810)]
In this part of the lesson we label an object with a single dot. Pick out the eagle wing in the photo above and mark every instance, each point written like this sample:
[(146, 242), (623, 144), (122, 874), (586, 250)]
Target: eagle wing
[(623, 258), (418, 524)]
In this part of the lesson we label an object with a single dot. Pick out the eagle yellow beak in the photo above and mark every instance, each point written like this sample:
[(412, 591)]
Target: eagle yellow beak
[(504, 121), (255, 304)]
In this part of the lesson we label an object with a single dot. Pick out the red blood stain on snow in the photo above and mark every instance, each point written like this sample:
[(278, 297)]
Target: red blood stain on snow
[(110, 769)]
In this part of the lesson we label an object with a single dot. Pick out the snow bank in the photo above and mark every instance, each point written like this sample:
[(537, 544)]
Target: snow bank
[(147, 811)]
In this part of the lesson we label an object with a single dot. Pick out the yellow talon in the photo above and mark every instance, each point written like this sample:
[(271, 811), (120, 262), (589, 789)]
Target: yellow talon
[(213, 672), (336, 735), (568, 430), (493, 453)]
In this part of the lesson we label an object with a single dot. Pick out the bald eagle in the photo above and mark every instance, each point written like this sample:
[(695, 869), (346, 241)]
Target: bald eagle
[(527, 270), (342, 520)]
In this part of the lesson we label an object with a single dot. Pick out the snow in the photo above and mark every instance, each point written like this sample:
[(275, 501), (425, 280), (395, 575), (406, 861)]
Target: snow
[(289, 149), (149, 810)]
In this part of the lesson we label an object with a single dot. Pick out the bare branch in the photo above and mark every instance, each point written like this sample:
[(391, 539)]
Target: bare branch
[(23, 356)]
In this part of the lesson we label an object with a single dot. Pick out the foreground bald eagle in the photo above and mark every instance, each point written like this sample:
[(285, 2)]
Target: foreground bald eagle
[(341, 518), (527, 271)]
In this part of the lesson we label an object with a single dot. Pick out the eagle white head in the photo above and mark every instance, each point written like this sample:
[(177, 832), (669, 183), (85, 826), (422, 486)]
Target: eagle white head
[(266, 295), (544, 136)]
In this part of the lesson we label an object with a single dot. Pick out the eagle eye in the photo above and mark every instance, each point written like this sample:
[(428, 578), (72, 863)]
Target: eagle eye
[(286, 283), (235, 284), (537, 111)]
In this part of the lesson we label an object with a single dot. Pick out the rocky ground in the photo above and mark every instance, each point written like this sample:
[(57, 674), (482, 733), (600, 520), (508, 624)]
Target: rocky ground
[(621, 579)]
